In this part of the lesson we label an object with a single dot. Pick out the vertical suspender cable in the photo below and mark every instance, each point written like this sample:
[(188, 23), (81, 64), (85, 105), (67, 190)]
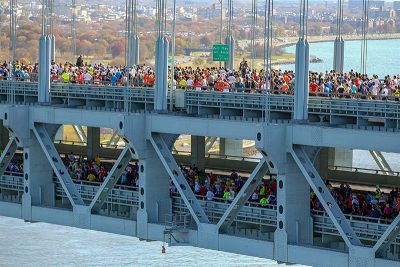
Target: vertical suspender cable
[(173, 56)]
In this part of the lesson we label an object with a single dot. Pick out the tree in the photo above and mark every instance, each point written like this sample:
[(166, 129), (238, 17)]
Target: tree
[(205, 41), (117, 48)]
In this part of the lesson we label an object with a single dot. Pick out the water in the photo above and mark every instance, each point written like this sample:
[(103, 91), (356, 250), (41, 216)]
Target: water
[(363, 159), (41, 244), (382, 56)]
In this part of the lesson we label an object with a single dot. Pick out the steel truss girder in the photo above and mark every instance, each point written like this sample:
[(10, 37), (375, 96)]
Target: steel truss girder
[(58, 166), (164, 153), (243, 195), (390, 235), (111, 179), (80, 133), (328, 202), (7, 155), (210, 141), (380, 160), (114, 139)]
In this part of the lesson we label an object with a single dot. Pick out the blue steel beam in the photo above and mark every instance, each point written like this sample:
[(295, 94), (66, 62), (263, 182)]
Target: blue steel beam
[(243, 196), (325, 197), (57, 164), (175, 173), (111, 179)]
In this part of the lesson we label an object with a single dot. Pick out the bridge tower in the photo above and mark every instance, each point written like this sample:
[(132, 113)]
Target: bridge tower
[(338, 51), (162, 52), (132, 34), (302, 68), (45, 45)]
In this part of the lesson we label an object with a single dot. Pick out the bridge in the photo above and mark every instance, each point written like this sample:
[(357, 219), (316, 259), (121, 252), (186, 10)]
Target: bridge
[(189, 51), (293, 151), (302, 140)]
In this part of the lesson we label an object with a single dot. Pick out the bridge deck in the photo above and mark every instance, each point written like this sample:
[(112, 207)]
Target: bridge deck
[(250, 217), (259, 107)]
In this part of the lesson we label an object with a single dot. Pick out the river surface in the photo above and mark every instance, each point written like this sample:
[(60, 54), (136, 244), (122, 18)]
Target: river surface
[(383, 56), (41, 244)]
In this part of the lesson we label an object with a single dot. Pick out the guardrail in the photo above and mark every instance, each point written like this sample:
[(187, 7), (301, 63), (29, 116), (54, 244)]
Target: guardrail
[(366, 228), (352, 109), (364, 170)]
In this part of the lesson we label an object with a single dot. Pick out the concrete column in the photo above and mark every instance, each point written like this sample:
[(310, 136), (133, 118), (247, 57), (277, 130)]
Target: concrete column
[(93, 142), (154, 198), (59, 134), (294, 223), (361, 257), (38, 179), (340, 157), (4, 136), (198, 148), (231, 147), (321, 162)]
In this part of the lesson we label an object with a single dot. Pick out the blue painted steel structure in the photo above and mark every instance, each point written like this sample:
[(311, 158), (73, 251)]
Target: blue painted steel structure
[(289, 132), (287, 232)]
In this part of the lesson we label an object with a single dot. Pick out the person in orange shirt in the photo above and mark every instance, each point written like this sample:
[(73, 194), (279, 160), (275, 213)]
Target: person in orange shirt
[(313, 88), (146, 79), (286, 78), (150, 79), (81, 79), (284, 87)]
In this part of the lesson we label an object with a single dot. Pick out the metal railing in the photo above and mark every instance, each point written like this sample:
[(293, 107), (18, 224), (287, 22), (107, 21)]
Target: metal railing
[(366, 228), (260, 106), (363, 170), (218, 156)]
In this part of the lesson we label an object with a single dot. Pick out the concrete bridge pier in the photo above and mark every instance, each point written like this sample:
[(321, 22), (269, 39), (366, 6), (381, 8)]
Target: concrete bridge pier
[(93, 142), (340, 157), (198, 148), (231, 147)]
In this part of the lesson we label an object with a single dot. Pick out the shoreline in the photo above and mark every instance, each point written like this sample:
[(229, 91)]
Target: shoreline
[(331, 38)]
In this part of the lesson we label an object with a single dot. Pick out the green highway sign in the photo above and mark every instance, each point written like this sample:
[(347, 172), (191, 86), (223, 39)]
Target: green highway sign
[(220, 52)]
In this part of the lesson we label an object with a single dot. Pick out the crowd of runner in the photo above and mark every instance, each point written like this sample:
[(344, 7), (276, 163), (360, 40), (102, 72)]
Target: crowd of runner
[(244, 79), (362, 203), (212, 187), (224, 188), (81, 169)]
